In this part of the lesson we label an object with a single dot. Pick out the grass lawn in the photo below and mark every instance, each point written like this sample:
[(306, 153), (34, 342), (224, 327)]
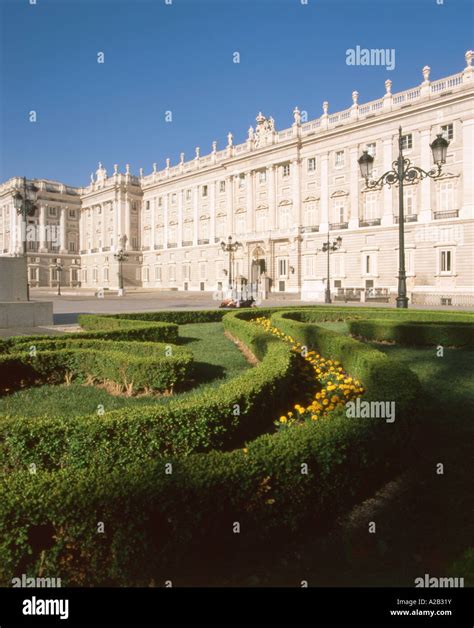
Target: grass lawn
[(216, 360)]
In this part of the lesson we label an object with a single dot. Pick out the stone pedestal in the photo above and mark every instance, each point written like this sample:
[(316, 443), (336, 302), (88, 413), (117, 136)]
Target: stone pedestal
[(15, 310)]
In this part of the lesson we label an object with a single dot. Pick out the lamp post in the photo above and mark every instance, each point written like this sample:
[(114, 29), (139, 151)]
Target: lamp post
[(120, 256), (59, 269), (403, 170), (329, 247), (24, 201), (230, 248)]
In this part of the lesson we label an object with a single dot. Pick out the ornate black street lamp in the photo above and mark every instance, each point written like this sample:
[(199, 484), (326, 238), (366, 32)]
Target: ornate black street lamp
[(59, 269), (120, 256), (24, 201), (230, 248), (329, 247), (402, 171)]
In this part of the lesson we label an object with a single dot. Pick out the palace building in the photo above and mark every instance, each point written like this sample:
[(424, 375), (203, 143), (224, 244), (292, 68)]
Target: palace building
[(278, 194)]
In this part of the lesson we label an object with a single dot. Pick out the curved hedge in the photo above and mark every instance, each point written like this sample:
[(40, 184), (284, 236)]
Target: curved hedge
[(449, 334), (156, 515), (214, 419), (133, 366)]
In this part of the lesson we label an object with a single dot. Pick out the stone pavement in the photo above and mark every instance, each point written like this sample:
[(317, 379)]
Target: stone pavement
[(69, 305)]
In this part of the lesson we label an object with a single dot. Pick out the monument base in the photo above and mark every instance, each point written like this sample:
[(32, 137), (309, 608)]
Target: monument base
[(25, 314)]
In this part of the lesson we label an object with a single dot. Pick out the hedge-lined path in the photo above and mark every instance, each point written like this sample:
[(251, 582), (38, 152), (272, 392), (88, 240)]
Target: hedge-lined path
[(216, 359)]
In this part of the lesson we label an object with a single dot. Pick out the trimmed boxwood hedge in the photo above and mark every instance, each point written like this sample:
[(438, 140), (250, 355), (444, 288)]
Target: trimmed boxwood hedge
[(133, 366), (213, 419), (154, 520), (415, 333)]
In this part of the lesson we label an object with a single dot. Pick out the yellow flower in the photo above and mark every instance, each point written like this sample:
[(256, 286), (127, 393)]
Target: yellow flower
[(283, 419)]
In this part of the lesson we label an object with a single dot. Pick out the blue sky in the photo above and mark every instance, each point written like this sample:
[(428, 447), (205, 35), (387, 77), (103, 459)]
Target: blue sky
[(179, 58)]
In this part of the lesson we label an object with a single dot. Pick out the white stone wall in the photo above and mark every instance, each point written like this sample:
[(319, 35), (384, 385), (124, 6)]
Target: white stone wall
[(279, 193)]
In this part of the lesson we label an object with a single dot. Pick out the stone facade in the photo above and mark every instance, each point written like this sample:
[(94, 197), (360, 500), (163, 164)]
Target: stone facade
[(278, 194)]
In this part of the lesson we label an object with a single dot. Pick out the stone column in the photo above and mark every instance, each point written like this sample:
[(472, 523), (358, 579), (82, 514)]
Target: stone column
[(324, 224), (467, 210), (153, 223), (354, 189), (165, 220), (127, 224), (425, 185), (195, 214), (62, 230), (180, 218), (212, 211), (250, 201), (81, 230), (42, 248), (230, 205), (272, 197), (296, 181), (387, 193)]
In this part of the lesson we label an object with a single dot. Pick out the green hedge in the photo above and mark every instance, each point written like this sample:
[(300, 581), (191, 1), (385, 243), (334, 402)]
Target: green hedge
[(154, 521), (216, 418), (133, 366), (415, 333), (110, 327), (384, 379)]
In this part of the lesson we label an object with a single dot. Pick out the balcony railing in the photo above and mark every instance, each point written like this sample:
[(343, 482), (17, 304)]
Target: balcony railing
[(338, 225), (94, 250), (172, 245), (203, 241), (453, 213), (371, 222), (187, 243), (106, 248), (407, 218), (158, 247), (310, 229)]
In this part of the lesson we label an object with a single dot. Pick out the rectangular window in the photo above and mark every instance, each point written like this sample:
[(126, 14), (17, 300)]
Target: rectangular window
[(339, 210), (286, 170), (409, 261), (147, 206), (172, 273), (202, 270), (240, 223), (72, 213), (146, 274), (262, 176), (241, 181), (74, 275), (221, 186), (106, 274), (371, 149), (446, 261), (71, 246), (311, 164), (407, 141), (158, 273), (173, 199), (188, 195), (310, 218), (367, 264), (447, 131), (339, 159), (446, 196), (204, 191), (371, 205), (409, 201), (282, 267), (160, 201), (309, 266), (52, 211)]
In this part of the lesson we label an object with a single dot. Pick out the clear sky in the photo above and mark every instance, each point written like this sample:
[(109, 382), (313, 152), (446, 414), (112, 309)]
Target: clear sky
[(178, 57)]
